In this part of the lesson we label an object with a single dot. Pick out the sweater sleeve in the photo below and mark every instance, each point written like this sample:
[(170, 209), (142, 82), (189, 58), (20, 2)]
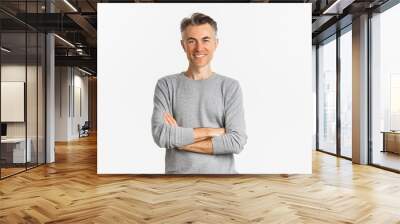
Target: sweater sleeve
[(235, 136), (164, 135)]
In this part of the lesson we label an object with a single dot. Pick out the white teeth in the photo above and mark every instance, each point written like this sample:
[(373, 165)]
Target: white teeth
[(199, 55)]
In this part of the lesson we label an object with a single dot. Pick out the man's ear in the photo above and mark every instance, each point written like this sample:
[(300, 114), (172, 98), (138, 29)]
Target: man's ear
[(183, 46), (216, 42)]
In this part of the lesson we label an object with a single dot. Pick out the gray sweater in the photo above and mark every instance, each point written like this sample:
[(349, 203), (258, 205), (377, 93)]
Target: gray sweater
[(216, 102)]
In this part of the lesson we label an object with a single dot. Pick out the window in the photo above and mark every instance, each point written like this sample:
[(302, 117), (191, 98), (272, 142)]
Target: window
[(327, 96), (346, 93), (385, 88)]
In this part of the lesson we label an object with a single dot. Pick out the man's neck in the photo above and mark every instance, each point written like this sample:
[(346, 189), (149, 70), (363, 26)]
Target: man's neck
[(199, 73)]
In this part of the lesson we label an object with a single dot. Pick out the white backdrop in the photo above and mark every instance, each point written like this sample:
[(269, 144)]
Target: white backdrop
[(266, 47)]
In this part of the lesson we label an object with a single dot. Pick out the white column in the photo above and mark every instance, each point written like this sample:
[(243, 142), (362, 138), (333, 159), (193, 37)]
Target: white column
[(50, 93), (50, 110), (360, 90)]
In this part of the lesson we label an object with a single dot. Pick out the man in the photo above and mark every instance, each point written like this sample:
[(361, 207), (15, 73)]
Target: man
[(198, 115)]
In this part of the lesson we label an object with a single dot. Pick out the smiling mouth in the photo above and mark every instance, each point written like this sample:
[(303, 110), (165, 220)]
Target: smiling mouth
[(199, 55)]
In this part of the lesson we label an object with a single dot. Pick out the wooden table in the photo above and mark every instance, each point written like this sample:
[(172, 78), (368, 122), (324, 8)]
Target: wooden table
[(13, 150), (391, 141)]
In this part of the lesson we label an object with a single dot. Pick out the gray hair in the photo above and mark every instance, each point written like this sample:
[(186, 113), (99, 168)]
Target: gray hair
[(198, 19)]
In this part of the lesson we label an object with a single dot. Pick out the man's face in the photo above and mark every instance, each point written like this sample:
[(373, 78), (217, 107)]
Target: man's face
[(199, 43)]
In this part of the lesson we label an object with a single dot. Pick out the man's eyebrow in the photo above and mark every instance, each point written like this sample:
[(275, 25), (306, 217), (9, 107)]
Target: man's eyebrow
[(203, 38)]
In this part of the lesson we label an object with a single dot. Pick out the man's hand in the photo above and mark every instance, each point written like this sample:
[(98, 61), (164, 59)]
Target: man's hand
[(202, 136), (199, 133), (203, 142), (169, 119), (204, 147), (204, 133)]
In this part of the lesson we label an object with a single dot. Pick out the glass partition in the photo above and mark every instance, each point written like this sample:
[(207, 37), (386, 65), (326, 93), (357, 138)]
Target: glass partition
[(346, 94), (327, 96), (385, 89), (32, 95), (41, 109), (13, 109), (22, 77)]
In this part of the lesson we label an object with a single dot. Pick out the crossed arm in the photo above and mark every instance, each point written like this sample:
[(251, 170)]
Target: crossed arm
[(202, 137), (228, 140)]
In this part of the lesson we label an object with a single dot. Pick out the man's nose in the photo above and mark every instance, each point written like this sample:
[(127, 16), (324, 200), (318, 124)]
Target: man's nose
[(198, 46)]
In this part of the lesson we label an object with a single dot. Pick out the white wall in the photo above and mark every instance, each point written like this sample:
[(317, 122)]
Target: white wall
[(256, 46), (69, 82), (80, 83), (61, 103)]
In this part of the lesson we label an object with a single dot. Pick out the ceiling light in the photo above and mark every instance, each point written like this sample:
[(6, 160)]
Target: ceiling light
[(84, 71), (5, 50), (79, 51), (338, 6), (64, 40), (70, 5)]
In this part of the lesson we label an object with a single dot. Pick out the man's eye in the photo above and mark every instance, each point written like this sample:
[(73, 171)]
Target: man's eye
[(190, 41)]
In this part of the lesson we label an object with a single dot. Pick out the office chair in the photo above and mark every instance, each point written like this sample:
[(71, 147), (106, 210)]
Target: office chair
[(84, 130)]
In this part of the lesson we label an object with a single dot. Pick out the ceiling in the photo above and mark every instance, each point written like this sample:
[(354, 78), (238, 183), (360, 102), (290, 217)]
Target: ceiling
[(76, 22)]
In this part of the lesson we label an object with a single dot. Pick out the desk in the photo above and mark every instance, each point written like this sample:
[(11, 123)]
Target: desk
[(391, 141), (15, 148)]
